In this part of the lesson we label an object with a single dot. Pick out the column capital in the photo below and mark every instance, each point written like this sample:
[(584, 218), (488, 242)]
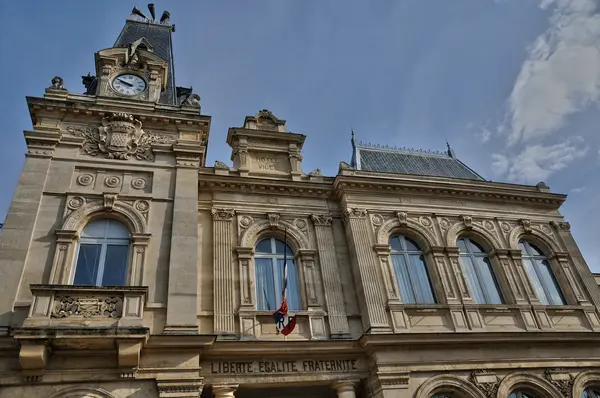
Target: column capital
[(224, 390), (321, 220), (220, 214), (382, 249), (345, 388)]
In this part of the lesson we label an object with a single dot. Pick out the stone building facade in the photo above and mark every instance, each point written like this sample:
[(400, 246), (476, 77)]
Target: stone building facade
[(129, 268)]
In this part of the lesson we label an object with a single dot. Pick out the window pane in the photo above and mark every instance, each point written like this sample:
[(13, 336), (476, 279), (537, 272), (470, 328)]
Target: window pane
[(552, 289), (265, 285), (411, 245), (293, 292), (401, 270), (535, 250), (467, 264), (395, 243), (488, 281), (474, 246), (421, 284), (86, 269), (116, 230), (264, 246), (280, 246), (95, 229), (462, 246), (115, 265), (535, 280)]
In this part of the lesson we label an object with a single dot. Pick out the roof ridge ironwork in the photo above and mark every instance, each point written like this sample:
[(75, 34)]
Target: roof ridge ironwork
[(402, 149)]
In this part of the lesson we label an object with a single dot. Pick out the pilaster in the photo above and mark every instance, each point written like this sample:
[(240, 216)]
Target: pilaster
[(182, 298), (224, 390), (334, 297), (345, 388), (224, 320), (528, 293), (450, 295), (368, 286), (562, 261), (501, 257), (20, 222)]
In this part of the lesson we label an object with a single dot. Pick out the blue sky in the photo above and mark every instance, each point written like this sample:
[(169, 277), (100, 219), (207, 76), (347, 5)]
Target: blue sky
[(514, 85)]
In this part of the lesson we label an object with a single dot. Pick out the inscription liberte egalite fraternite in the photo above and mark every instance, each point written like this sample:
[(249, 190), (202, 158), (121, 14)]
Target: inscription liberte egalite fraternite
[(285, 366)]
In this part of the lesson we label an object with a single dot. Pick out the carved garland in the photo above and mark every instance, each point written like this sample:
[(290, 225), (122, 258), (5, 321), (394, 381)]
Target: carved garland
[(87, 307)]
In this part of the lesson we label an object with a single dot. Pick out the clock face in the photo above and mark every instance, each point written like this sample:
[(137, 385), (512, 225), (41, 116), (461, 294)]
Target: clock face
[(129, 84)]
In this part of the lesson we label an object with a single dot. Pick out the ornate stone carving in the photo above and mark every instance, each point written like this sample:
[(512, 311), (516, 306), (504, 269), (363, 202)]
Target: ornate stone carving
[(377, 220), (142, 206), (526, 224), (480, 378), (245, 221), (563, 384), (87, 307), (75, 202), (355, 213), (321, 219), (57, 84), (222, 214), (138, 183), (273, 220), (316, 173), (221, 165), (444, 223), (192, 100), (402, 218), (301, 224), (468, 221), (487, 224), (426, 221), (119, 137), (545, 229), (112, 181), (345, 166), (85, 179), (565, 226), (505, 226), (109, 201)]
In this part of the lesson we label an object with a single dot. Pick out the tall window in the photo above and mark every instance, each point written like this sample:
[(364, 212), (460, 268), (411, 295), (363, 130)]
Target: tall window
[(480, 274), (591, 392), (411, 271), (268, 262), (102, 255), (540, 274), (521, 394)]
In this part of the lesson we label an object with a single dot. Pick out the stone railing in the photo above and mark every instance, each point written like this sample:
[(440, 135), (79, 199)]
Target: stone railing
[(65, 306)]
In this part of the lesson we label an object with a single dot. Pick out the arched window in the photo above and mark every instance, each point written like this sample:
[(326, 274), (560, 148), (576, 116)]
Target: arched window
[(411, 271), (480, 274), (591, 392), (540, 274), (521, 394), (268, 262), (102, 254)]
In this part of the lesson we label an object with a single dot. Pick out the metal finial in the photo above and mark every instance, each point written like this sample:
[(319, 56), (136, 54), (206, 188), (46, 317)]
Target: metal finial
[(151, 9)]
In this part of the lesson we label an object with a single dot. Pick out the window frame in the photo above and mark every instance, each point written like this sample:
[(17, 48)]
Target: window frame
[(472, 257), (406, 253), (104, 243), (593, 389), (274, 256), (529, 255)]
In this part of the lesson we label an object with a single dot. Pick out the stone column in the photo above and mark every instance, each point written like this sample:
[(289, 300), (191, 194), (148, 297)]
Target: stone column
[(368, 286), (569, 281), (528, 294), (140, 247), (223, 274), (334, 297), (459, 275), (389, 276), (345, 389), (501, 257), (21, 218), (224, 390), (182, 311)]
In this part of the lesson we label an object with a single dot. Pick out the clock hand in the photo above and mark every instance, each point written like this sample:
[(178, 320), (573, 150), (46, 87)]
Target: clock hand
[(124, 82)]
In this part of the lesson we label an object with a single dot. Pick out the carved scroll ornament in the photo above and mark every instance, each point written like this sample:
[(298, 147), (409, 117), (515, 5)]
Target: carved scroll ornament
[(119, 137), (87, 307)]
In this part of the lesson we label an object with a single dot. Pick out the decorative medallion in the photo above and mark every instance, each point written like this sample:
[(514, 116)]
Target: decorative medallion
[(75, 202), (246, 221), (377, 220), (444, 223), (426, 221), (546, 229), (119, 137), (404, 199), (138, 183), (142, 206), (112, 181), (505, 226), (85, 179), (487, 224), (301, 224)]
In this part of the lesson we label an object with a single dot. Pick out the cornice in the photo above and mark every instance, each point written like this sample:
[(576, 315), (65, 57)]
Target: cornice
[(292, 348), (232, 183), (80, 104), (482, 190), (265, 134)]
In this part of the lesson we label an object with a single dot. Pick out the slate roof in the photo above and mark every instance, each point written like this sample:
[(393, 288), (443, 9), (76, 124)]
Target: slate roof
[(159, 36), (384, 159)]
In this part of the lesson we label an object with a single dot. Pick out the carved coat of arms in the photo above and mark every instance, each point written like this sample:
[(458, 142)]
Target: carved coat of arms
[(119, 137)]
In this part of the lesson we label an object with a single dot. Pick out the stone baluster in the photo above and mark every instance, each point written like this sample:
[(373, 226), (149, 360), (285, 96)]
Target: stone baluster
[(371, 300), (223, 272), (345, 389), (334, 297)]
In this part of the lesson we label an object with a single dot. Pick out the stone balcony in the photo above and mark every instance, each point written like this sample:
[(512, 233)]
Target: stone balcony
[(83, 317)]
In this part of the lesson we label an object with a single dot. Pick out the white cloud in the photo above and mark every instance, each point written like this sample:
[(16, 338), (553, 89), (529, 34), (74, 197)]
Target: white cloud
[(537, 162), (578, 189), (561, 75), (484, 135)]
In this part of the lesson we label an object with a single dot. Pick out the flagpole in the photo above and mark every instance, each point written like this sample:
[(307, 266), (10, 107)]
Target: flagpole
[(284, 264)]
